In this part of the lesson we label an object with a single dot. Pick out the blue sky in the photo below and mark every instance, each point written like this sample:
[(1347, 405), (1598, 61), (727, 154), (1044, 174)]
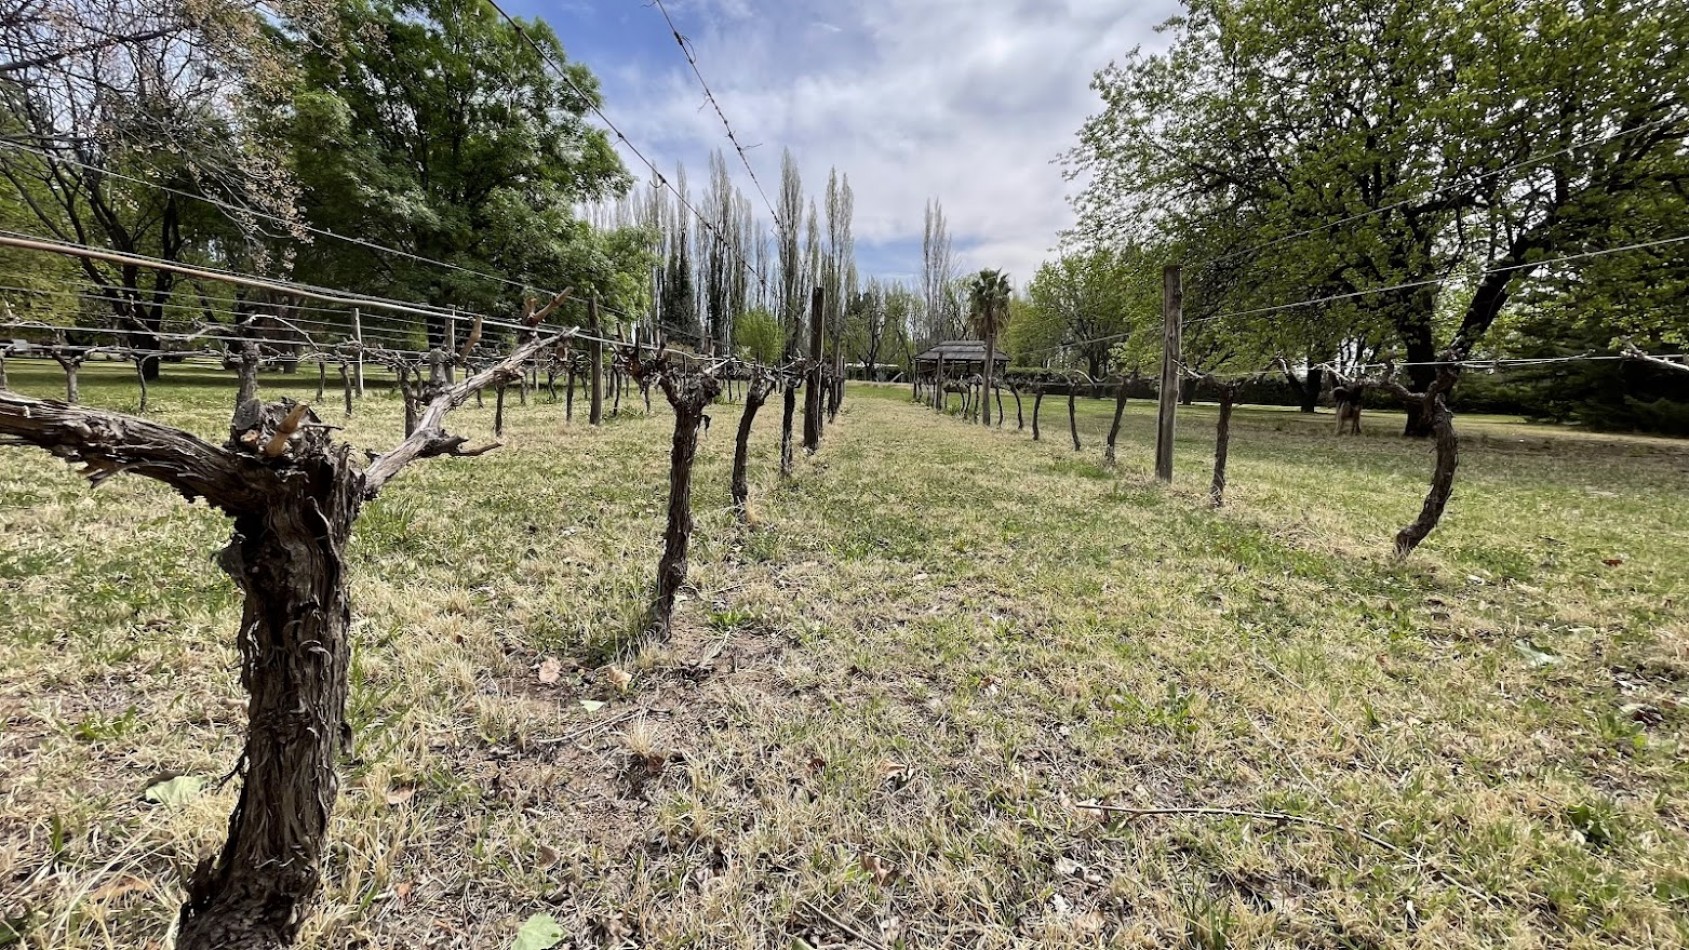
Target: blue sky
[(968, 102)]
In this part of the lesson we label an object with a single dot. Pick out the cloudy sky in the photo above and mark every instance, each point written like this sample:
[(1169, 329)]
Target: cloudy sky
[(968, 101)]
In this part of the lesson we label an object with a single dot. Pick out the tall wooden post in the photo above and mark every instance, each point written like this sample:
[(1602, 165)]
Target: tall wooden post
[(358, 335), (812, 404), (1172, 360), (451, 346), (595, 360)]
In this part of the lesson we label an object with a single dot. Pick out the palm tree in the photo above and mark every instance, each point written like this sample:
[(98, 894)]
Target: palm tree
[(989, 296)]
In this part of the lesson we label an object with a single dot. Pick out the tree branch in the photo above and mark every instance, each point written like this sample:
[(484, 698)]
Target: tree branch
[(109, 443), (1635, 353), (429, 438)]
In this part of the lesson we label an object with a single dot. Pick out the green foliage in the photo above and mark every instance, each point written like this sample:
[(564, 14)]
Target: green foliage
[(759, 336), (1304, 149), (1086, 299), (539, 932), (435, 127)]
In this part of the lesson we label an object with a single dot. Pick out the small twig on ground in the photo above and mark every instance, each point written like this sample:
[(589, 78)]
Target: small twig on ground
[(1286, 818), (848, 929), (591, 730)]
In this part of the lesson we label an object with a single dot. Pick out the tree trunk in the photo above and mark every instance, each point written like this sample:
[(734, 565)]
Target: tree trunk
[(140, 377), (1311, 389), (1037, 403), (322, 379), (788, 409), (985, 377), (998, 393), (1187, 391), (1072, 419), (1416, 334), (290, 561), (1222, 445), (755, 395), (689, 397), (346, 386), (498, 411), (1020, 420), (1114, 430), (569, 394)]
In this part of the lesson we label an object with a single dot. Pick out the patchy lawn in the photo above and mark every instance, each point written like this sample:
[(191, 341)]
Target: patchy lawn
[(890, 702)]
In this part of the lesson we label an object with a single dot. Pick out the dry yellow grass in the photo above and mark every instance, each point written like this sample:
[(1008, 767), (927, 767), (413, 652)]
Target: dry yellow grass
[(887, 705)]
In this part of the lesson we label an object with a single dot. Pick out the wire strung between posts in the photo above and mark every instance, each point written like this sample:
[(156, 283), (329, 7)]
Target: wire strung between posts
[(176, 337), (1408, 201), (662, 179), (36, 242), (46, 245), (337, 326), (237, 209), (692, 60), (1522, 362), (264, 308)]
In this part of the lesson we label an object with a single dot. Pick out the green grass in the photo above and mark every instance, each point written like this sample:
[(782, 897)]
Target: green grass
[(889, 701)]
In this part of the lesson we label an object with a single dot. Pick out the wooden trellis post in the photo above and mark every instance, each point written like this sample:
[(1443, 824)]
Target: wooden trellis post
[(358, 337), (1172, 360), (595, 364), (812, 402)]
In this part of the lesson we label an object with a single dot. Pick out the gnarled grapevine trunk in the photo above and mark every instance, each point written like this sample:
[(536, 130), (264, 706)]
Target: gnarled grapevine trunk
[(290, 560), (787, 410), (689, 396), (1436, 410), (293, 496), (1072, 418), (1037, 404), (755, 395), (1222, 444), (1114, 429), (1432, 408)]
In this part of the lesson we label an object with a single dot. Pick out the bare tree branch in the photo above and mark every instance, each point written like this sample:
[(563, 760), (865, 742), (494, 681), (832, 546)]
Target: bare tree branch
[(109, 443), (430, 439), (1635, 353)]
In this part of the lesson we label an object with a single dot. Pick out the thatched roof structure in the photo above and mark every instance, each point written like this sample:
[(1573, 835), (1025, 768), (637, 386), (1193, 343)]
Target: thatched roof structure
[(959, 353)]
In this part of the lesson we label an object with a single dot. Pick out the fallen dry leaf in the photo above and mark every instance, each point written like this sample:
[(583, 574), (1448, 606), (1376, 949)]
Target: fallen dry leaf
[(876, 868), (124, 885), (618, 677), (550, 671), (401, 795)]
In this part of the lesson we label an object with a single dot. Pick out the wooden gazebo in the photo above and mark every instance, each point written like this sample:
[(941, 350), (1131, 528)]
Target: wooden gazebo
[(944, 366), (958, 358)]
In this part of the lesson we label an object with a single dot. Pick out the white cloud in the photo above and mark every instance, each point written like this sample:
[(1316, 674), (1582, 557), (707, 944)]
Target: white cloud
[(969, 102)]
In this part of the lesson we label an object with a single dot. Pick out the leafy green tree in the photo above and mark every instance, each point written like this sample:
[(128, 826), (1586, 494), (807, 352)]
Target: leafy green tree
[(759, 336), (1441, 149), (135, 126), (435, 128), (1086, 300)]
